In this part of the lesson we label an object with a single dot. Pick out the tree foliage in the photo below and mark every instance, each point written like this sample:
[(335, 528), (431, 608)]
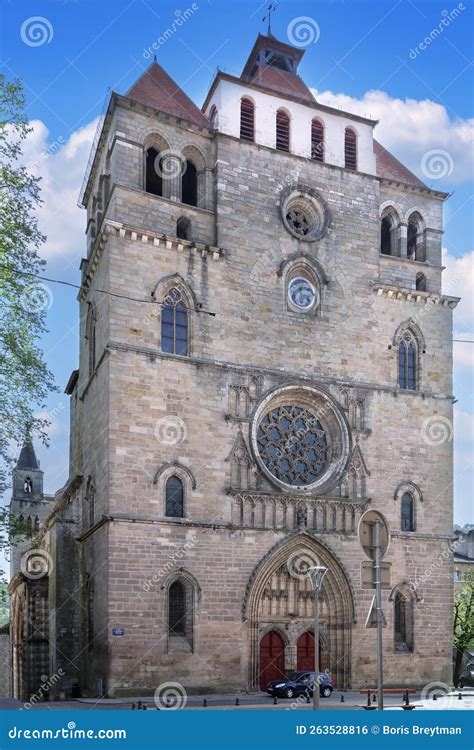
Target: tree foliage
[(25, 379)]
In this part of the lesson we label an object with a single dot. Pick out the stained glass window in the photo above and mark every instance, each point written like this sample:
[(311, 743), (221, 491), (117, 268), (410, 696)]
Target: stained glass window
[(293, 445)]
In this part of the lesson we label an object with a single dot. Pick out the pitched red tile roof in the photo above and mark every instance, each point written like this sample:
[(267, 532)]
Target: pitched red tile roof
[(281, 81), (386, 165), (155, 88)]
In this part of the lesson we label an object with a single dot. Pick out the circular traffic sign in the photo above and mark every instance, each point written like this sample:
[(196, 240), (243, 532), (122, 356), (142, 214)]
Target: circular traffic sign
[(367, 525)]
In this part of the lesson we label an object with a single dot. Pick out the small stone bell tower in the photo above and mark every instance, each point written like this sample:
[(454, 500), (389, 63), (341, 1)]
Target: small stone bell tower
[(27, 498)]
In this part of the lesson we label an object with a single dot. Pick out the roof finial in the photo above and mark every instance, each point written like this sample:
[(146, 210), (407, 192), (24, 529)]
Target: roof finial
[(154, 58), (271, 9)]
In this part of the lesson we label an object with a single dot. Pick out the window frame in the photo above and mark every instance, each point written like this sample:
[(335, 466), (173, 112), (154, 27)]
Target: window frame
[(247, 119), (169, 502), (350, 149), (282, 139)]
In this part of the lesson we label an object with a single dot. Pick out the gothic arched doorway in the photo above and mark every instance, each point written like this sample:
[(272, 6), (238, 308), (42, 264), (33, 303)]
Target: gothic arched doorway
[(272, 658), (279, 595)]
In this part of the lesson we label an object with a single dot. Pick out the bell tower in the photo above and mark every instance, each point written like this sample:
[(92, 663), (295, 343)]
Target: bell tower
[(28, 499)]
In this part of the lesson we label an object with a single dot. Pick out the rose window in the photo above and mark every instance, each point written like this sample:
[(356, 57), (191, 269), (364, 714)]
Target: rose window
[(298, 221), (304, 213), (293, 445)]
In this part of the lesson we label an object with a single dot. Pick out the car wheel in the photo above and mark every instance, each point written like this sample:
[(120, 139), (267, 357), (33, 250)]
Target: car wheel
[(289, 693), (326, 692)]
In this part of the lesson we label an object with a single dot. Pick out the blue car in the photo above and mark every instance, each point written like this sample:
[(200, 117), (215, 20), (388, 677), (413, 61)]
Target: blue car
[(300, 684)]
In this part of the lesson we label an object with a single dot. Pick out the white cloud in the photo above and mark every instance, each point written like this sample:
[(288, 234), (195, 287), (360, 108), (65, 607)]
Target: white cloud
[(410, 128), (61, 165), (458, 281)]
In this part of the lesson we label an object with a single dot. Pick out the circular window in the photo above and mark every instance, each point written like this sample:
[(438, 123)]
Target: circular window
[(293, 445), (300, 439), (301, 293), (304, 213)]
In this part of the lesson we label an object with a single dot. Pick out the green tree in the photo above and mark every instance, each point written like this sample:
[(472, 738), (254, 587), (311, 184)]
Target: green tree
[(463, 620), (25, 379)]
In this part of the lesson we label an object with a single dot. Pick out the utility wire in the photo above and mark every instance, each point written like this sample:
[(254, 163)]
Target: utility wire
[(99, 291), (135, 299)]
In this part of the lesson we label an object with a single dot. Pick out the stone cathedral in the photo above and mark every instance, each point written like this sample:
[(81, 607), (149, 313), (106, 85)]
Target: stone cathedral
[(265, 353)]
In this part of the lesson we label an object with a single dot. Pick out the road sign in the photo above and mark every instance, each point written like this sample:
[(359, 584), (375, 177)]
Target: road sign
[(367, 574), (371, 621), (118, 631), (367, 533)]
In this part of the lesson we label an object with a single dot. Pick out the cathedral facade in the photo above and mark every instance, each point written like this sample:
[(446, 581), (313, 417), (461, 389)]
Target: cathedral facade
[(265, 354)]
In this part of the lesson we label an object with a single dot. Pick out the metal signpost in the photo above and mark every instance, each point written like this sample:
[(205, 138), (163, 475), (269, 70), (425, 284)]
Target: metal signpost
[(374, 536), (316, 575)]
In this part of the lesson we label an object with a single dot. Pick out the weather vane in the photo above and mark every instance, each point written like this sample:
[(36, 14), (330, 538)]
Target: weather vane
[(271, 9)]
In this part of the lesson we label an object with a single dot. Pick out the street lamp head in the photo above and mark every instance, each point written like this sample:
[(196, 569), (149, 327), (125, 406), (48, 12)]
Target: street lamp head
[(317, 574)]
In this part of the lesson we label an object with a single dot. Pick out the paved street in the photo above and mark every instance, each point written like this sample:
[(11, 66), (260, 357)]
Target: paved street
[(253, 701)]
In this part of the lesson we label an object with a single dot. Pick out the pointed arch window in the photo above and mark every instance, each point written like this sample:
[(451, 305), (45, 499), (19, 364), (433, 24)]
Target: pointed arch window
[(174, 492), (177, 609), (407, 362), (317, 140), (90, 498), (247, 119), (403, 622), (350, 149), (91, 325), (407, 512), (174, 324), (282, 130)]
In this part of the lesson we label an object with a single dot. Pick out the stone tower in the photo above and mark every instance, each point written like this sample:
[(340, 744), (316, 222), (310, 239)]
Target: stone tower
[(265, 353), (27, 500)]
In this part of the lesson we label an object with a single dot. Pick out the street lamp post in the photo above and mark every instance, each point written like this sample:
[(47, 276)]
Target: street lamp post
[(316, 575)]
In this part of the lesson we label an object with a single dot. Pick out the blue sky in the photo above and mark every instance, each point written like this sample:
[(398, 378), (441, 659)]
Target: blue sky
[(363, 56)]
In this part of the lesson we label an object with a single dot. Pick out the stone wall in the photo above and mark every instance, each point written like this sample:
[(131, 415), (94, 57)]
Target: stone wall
[(5, 665), (143, 410)]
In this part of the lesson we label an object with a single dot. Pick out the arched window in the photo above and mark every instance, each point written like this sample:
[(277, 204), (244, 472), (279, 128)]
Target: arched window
[(415, 242), (183, 228), (282, 130), (386, 229), (189, 186), (177, 609), (174, 497), (153, 172), (213, 116), (174, 324), (28, 486), (420, 282), (407, 512), (91, 338), (247, 119), (317, 140), (407, 362), (90, 498), (350, 149), (403, 621)]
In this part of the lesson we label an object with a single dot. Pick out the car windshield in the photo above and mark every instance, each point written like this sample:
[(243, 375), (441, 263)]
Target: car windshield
[(303, 676)]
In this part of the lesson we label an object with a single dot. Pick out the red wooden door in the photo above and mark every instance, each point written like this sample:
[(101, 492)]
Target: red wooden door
[(272, 658), (305, 652)]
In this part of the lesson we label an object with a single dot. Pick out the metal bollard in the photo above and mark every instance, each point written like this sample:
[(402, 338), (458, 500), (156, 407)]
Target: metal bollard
[(275, 702), (144, 707), (368, 698), (308, 699), (434, 697), (133, 706), (139, 705), (237, 702), (204, 703), (342, 698), (374, 698), (459, 697)]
